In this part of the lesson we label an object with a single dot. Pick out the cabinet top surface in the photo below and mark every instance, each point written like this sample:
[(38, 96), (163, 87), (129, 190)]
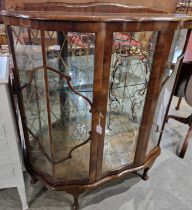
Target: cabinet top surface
[(95, 16)]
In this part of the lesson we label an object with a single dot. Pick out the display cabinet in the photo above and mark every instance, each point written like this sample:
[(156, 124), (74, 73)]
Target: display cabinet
[(88, 77)]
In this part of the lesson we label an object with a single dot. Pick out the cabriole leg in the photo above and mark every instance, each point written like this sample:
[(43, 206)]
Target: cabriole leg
[(76, 203), (145, 175), (75, 192), (146, 169)]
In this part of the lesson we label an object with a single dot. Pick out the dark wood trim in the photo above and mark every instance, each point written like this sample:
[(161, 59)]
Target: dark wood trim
[(136, 26), (166, 5), (19, 95), (60, 186), (100, 7), (108, 44), (154, 86), (132, 25), (97, 86), (178, 103), (26, 17), (52, 25), (186, 141), (46, 85)]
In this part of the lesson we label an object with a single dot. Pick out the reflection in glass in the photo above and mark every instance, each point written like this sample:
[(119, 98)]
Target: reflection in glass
[(131, 62), (167, 87), (72, 54), (28, 53), (58, 118)]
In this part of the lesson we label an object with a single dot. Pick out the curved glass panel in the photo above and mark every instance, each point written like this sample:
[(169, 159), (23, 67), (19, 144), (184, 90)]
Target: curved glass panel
[(167, 88), (28, 52), (58, 117)]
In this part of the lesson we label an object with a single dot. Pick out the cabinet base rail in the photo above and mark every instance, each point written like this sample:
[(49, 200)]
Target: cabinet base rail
[(77, 189)]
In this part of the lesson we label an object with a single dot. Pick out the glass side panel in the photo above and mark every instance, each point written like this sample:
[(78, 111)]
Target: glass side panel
[(131, 63), (71, 54), (164, 97), (31, 74)]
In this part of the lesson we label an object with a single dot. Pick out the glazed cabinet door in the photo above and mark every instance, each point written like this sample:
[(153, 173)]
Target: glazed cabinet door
[(55, 71), (134, 62)]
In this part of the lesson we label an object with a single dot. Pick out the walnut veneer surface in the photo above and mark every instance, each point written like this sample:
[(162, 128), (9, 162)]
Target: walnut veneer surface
[(95, 16), (168, 5)]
